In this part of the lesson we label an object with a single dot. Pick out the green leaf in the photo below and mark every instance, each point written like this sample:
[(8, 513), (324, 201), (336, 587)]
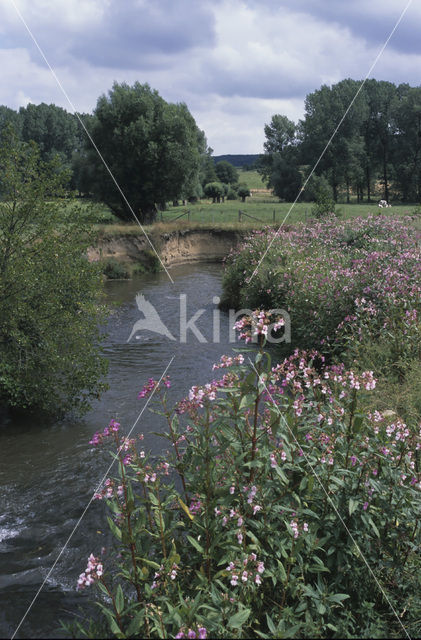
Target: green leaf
[(119, 599), (185, 508), (375, 529), (195, 544), (130, 498), (281, 474), (352, 506), (246, 401), (238, 619), (338, 597), (114, 529)]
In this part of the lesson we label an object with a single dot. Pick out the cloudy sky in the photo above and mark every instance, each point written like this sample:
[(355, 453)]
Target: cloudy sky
[(234, 62)]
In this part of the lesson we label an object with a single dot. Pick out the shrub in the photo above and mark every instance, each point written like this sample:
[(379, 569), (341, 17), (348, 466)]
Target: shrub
[(296, 514), (243, 191), (232, 194), (322, 273), (115, 270)]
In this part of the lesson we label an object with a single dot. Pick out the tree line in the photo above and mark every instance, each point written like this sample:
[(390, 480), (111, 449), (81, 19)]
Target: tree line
[(153, 149), (377, 146)]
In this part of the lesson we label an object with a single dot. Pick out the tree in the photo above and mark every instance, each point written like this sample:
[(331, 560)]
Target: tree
[(380, 128), (50, 357), (407, 148), (226, 172), (214, 190), (53, 129), (243, 191), (152, 148), (285, 179), (280, 134), (279, 164)]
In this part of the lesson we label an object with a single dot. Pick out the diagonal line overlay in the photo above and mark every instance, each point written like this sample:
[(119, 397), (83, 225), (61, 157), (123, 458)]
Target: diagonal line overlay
[(89, 135), (332, 136), (263, 383), (87, 506)]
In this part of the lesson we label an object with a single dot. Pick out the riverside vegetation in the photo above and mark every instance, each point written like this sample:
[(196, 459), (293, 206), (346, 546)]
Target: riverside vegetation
[(289, 503)]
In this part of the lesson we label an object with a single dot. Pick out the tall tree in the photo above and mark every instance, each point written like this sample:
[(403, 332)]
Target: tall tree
[(380, 129), (407, 150), (53, 129), (324, 110), (152, 148), (279, 164), (226, 172)]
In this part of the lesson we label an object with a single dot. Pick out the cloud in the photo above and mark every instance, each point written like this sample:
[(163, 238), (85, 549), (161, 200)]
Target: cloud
[(373, 21), (233, 62), (128, 34)]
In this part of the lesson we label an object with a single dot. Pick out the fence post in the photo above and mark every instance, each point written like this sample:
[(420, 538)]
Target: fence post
[(274, 215), (213, 217), (188, 215), (239, 215), (306, 214)]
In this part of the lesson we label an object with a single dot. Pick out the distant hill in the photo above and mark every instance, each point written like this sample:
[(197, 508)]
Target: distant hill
[(238, 160)]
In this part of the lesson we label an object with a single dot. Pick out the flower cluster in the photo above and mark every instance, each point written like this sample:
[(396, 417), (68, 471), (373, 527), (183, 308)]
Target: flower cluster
[(258, 324), (162, 575), (92, 573), (153, 384), (111, 430), (200, 633), (229, 361), (247, 571), (297, 528), (109, 490)]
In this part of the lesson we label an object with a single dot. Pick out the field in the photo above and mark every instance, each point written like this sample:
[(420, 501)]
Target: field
[(257, 211)]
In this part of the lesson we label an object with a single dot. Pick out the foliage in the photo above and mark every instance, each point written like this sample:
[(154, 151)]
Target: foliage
[(214, 190), (243, 191), (296, 514), (226, 173), (232, 194), (324, 201), (321, 273), (153, 149), (115, 270), (50, 357)]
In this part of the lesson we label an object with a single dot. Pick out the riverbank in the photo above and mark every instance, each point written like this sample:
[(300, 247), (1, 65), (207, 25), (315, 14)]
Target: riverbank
[(175, 247)]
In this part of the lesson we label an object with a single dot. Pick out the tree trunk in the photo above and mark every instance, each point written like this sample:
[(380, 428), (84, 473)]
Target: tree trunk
[(385, 179), (367, 173)]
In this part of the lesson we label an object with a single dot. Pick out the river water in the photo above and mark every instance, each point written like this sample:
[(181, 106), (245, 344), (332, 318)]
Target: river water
[(48, 472)]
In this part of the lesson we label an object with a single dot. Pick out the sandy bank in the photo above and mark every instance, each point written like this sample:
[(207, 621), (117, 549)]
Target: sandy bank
[(174, 248)]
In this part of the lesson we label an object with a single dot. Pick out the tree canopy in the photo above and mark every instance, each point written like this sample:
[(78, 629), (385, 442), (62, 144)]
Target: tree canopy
[(153, 149), (226, 173), (50, 357), (378, 143)]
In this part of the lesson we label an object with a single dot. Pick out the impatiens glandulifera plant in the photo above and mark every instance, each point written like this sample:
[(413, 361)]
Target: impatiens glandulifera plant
[(281, 510)]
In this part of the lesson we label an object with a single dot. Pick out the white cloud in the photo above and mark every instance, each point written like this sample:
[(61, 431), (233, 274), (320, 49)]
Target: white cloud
[(234, 62)]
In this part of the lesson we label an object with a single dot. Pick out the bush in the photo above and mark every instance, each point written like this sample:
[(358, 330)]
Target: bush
[(115, 270), (232, 194), (243, 191), (321, 272), (214, 190), (296, 514)]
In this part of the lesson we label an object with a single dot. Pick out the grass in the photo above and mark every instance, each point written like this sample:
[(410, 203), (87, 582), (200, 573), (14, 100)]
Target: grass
[(261, 211), (252, 179), (227, 212)]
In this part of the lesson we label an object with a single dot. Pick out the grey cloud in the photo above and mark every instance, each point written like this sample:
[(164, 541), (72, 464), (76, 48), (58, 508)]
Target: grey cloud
[(129, 35), (368, 20)]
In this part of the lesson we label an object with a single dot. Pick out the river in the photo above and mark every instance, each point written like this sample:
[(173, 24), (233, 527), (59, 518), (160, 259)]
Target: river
[(48, 472)]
